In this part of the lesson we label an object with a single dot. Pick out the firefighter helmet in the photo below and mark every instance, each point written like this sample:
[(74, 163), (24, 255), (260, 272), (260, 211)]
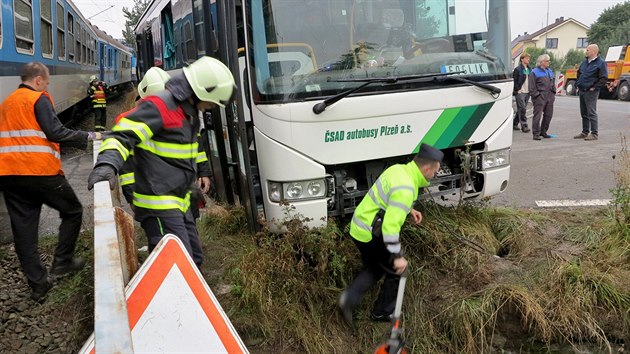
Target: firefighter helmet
[(210, 80), (153, 82), (93, 78)]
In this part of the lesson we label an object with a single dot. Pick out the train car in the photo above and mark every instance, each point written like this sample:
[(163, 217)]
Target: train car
[(114, 60), (55, 33)]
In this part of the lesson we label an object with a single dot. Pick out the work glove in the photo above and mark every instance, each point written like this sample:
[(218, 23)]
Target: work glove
[(95, 136), (103, 172)]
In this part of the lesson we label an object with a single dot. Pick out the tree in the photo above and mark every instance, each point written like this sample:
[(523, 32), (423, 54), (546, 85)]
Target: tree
[(133, 16), (611, 28), (572, 58), (554, 63)]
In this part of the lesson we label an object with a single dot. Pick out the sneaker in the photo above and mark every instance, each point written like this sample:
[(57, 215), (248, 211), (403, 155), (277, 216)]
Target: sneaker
[(515, 127), (580, 136), (345, 309), (591, 137), (526, 130), (73, 265), (379, 317), (536, 137), (39, 291), (546, 136)]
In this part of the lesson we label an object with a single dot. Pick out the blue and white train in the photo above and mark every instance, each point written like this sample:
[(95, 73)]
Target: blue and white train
[(55, 33)]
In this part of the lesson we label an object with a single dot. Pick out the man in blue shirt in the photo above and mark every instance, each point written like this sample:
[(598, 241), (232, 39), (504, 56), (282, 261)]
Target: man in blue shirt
[(592, 76)]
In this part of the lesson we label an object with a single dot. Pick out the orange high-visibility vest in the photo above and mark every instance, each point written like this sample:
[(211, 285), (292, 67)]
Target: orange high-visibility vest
[(98, 97), (24, 148)]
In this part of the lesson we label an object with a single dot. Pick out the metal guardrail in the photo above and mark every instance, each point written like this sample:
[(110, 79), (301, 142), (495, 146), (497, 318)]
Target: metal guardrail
[(111, 321)]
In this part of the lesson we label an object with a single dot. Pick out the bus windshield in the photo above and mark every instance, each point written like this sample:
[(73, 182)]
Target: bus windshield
[(308, 49)]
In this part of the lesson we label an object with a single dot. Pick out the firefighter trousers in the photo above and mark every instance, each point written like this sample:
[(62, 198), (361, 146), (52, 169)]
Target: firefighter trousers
[(183, 227)]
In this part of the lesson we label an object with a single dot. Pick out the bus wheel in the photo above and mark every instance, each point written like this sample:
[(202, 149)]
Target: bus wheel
[(570, 88), (624, 91)]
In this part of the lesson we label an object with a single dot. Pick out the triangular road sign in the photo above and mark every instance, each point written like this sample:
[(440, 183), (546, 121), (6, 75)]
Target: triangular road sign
[(172, 309)]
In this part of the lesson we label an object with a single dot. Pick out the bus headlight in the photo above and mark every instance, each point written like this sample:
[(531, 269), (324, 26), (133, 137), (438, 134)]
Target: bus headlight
[(297, 190), (493, 159)]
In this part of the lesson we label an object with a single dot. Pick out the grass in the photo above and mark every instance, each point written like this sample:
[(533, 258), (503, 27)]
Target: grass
[(553, 286)]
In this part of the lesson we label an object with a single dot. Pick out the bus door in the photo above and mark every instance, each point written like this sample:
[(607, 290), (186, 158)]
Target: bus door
[(241, 167)]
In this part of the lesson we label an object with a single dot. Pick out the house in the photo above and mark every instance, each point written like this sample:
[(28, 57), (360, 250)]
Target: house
[(558, 37)]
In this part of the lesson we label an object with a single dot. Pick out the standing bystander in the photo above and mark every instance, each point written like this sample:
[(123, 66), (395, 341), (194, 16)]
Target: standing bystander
[(592, 75), (521, 92), (31, 175), (542, 88)]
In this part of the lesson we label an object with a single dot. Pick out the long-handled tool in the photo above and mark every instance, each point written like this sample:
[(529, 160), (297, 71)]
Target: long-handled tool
[(396, 343)]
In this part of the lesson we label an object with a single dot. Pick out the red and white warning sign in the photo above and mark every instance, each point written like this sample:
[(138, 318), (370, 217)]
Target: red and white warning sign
[(172, 309)]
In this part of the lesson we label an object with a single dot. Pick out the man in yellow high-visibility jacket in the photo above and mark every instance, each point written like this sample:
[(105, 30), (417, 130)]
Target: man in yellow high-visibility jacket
[(375, 230)]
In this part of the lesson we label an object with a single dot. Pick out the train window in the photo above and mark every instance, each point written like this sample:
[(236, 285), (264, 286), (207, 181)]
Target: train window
[(23, 25), (191, 54), (94, 52), (61, 33), (45, 27), (83, 45), (77, 37), (70, 37), (1, 10), (199, 32)]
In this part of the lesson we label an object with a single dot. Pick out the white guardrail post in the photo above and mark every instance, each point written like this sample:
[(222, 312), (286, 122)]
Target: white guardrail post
[(111, 320)]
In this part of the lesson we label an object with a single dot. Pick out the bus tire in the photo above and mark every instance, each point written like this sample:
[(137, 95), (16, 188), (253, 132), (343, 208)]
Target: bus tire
[(570, 88), (623, 93)]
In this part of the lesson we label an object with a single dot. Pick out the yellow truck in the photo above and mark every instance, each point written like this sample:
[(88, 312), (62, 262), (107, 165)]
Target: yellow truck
[(618, 61)]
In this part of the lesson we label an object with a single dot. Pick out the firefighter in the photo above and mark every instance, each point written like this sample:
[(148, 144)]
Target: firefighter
[(31, 175), (96, 91), (162, 132), (153, 82), (375, 231)]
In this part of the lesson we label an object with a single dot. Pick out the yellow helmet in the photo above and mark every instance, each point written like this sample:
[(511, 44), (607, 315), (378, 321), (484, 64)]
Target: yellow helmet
[(153, 82), (92, 78), (210, 80)]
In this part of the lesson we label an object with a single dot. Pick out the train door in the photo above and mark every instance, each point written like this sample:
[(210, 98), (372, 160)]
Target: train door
[(102, 55)]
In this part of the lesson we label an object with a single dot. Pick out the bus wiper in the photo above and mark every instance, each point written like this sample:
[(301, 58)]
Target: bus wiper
[(321, 106), (494, 91)]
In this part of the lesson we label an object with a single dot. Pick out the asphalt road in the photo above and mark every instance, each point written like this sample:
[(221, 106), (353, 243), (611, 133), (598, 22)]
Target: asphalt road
[(564, 168)]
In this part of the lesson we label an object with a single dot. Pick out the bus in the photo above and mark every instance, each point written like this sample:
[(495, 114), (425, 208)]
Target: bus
[(332, 92)]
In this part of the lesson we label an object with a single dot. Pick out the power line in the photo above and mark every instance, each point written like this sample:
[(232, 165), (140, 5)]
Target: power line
[(101, 11)]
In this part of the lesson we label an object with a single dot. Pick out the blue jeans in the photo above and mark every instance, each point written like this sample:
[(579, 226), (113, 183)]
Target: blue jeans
[(588, 110), (521, 109)]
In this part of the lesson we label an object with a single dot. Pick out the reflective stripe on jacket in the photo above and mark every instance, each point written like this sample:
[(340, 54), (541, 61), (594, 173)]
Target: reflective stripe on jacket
[(24, 148), (163, 140), (97, 94), (394, 192)]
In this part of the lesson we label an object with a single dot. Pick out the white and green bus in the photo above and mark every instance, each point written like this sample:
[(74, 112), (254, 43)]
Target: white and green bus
[(334, 91)]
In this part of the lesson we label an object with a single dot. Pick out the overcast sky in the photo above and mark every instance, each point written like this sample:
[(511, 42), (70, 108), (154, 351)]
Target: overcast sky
[(531, 15), (525, 15)]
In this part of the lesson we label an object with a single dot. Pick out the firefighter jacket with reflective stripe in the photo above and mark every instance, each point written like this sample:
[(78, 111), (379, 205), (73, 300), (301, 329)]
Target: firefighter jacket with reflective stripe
[(394, 192), (97, 94), (162, 133), (24, 147)]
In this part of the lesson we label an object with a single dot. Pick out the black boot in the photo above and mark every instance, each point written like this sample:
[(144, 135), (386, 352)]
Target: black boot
[(73, 265)]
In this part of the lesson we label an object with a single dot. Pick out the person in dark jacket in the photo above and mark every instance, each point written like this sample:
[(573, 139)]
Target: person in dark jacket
[(162, 132), (521, 92), (542, 88), (592, 75), (31, 175)]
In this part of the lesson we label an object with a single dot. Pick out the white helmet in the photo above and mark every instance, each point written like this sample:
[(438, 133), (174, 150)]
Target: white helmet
[(153, 82), (210, 80), (93, 78)]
